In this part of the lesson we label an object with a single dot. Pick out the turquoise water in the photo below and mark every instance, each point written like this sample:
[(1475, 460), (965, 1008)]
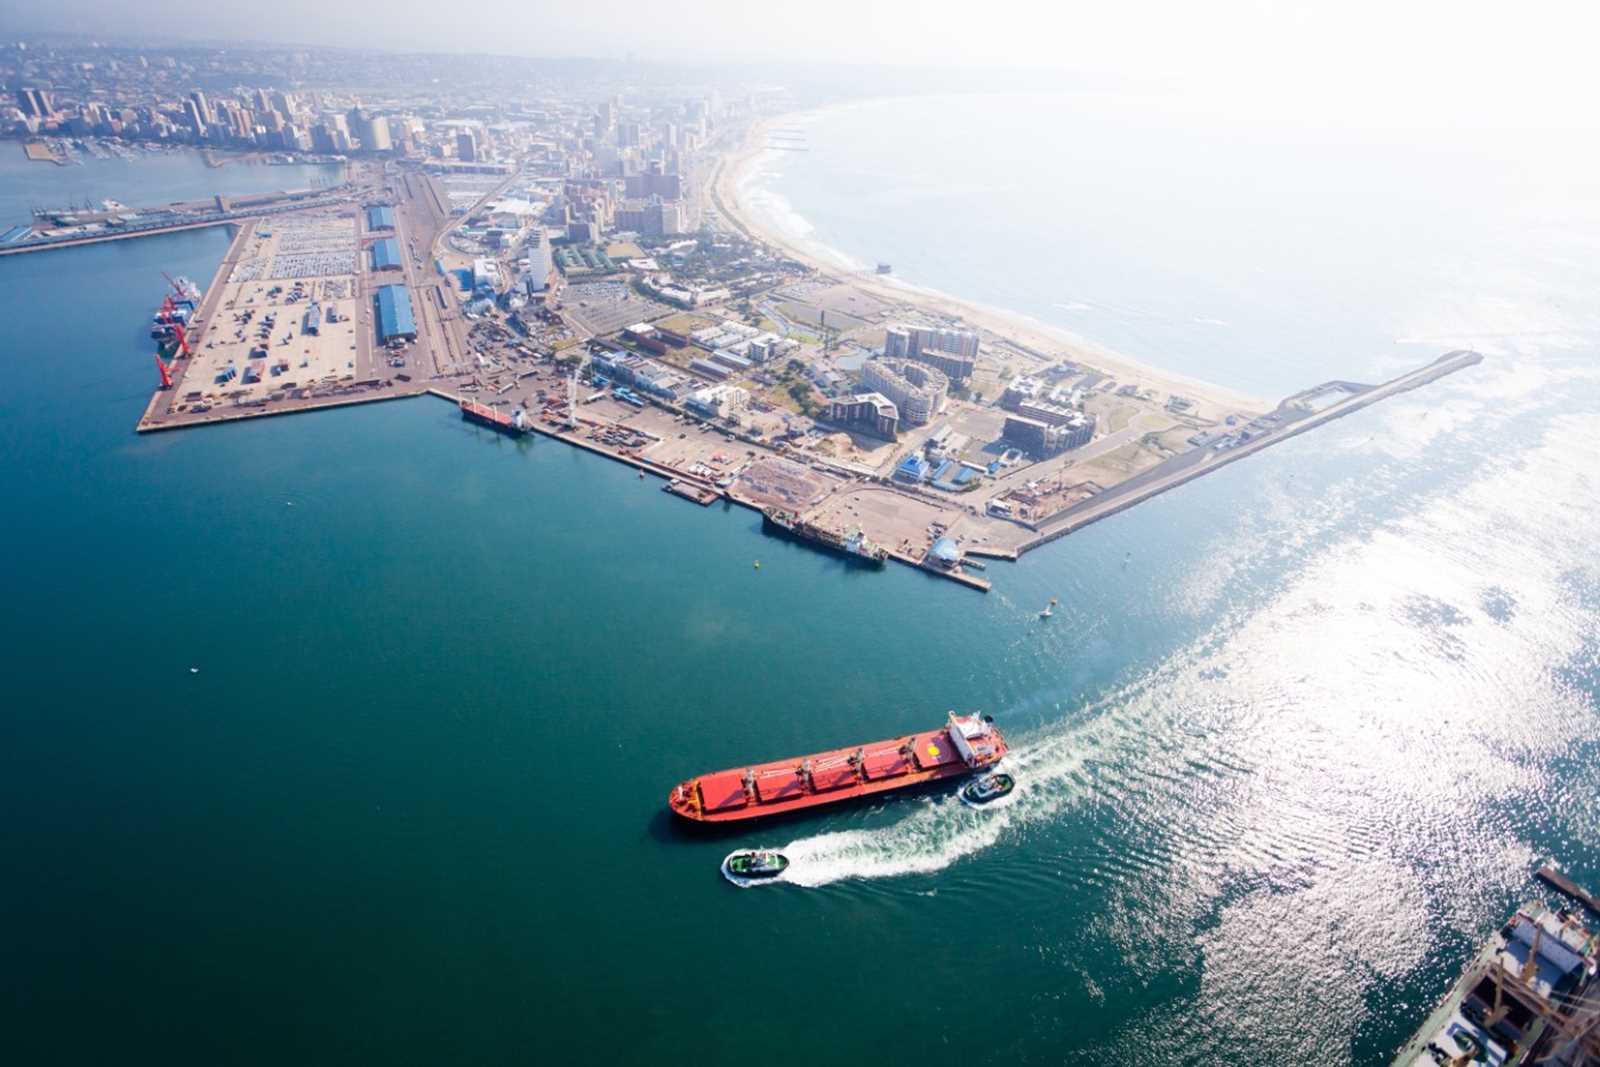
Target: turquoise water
[(1290, 745)]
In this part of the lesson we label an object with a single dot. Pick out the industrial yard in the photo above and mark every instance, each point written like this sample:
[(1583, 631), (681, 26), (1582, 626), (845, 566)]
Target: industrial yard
[(289, 315)]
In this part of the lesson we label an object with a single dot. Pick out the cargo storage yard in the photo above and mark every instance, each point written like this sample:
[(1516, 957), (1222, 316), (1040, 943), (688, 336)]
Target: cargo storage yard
[(285, 316)]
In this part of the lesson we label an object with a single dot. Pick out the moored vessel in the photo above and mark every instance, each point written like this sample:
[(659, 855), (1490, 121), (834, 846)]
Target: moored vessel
[(964, 745), (515, 424), (1529, 996), (853, 543)]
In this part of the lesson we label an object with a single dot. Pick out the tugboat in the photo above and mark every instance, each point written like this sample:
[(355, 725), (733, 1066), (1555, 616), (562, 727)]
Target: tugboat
[(759, 865), (986, 790)]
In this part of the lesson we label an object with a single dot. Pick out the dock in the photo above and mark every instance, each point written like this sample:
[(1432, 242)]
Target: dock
[(1552, 875), (1187, 466), (174, 219), (703, 495)]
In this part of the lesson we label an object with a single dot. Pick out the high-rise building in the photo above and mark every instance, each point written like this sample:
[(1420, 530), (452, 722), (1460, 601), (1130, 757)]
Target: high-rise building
[(871, 413), (195, 113), (201, 109), (655, 182), (955, 352), (35, 103), (378, 139), (918, 391), (537, 276), (1040, 438), (467, 146), (371, 131)]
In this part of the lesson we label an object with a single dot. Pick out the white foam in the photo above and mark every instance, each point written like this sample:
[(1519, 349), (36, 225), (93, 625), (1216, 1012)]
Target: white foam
[(942, 830)]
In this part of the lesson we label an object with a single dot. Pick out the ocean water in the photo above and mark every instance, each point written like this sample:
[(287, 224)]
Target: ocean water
[(345, 737), (1257, 255)]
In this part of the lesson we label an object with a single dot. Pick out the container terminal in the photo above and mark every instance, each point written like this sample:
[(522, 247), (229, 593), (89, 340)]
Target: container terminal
[(1529, 996), (357, 295)]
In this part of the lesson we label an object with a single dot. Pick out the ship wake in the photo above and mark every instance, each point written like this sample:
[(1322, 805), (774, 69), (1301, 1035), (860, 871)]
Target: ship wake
[(1051, 775)]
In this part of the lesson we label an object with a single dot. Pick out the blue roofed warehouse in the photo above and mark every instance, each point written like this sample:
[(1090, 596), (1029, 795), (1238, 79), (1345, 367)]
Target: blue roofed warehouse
[(380, 217), (386, 254), (395, 320)]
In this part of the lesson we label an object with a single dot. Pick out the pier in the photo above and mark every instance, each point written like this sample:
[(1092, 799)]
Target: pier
[(1295, 418), (1553, 876), (174, 219)]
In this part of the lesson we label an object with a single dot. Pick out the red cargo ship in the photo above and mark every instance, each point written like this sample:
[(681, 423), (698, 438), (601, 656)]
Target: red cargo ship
[(514, 424), (964, 745)]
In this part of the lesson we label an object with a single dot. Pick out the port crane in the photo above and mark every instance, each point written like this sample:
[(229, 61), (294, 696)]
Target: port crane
[(181, 349)]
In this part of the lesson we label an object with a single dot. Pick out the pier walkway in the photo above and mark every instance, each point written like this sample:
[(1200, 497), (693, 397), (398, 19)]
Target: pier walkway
[(166, 223)]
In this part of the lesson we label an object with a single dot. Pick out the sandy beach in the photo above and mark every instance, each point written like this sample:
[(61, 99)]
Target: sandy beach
[(733, 169)]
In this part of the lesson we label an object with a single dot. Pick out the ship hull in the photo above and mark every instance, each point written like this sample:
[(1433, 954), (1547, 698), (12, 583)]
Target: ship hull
[(894, 765), (801, 534), (492, 419)]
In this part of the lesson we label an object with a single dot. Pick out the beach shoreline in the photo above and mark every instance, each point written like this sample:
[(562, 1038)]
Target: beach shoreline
[(728, 194)]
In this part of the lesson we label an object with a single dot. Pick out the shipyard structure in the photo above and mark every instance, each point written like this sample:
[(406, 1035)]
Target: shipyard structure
[(1530, 996)]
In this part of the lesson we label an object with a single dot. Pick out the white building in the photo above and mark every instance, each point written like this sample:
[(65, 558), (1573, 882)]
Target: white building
[(485, 274), (918, 391), (718, 401)]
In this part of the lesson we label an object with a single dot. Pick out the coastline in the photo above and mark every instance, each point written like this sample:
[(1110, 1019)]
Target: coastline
[(730, 176)]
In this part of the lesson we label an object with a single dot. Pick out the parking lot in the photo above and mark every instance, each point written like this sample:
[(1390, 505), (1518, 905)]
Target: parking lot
[(291, 314)]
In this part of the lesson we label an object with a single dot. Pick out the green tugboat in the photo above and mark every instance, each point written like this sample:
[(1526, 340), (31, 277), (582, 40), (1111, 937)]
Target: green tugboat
[(987, 790), (759, 865)]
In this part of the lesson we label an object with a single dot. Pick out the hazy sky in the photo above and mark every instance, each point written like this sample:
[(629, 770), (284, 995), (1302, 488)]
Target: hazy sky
[(1528, 60)]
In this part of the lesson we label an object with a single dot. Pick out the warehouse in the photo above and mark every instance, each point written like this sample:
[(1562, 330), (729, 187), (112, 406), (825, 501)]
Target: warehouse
[(395, 320), (380, 217), (386, 254)]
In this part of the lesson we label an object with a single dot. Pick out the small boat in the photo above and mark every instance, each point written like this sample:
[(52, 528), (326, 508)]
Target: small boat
[(1049, 609), (987, 790), (758, 865)]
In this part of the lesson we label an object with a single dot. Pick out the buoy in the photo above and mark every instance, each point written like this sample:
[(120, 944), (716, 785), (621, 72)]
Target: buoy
[(758, 564)]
